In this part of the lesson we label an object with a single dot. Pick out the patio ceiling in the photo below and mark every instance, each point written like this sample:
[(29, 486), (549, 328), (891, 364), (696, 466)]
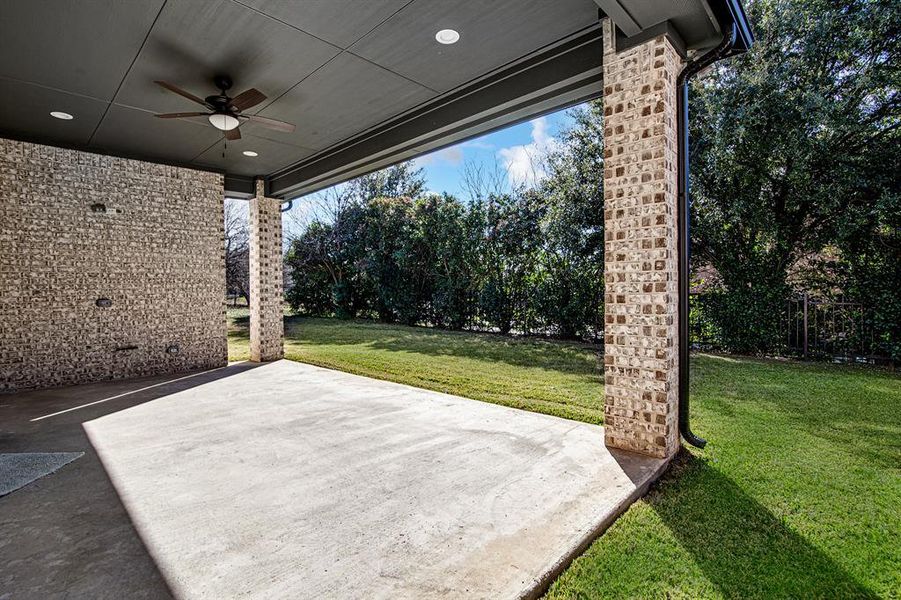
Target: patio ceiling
[(365, 83)]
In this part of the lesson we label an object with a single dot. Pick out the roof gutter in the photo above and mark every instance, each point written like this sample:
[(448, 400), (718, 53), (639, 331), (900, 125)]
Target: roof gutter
[(737, 38)]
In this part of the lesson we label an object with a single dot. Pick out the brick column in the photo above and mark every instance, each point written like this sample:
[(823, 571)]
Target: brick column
[(640, 257), (266, 327)]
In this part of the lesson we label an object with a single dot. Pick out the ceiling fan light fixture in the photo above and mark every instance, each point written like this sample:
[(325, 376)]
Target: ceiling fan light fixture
[(223, 121), (227, 113)]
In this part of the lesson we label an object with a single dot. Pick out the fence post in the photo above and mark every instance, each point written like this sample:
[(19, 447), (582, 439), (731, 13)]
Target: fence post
[(805, 324)]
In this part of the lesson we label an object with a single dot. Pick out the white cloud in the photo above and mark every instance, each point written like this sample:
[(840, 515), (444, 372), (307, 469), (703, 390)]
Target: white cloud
[(452, 155), (525, 163), (478, 145)]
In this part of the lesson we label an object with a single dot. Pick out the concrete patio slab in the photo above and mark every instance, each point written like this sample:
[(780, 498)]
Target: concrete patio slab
[(288, 479)]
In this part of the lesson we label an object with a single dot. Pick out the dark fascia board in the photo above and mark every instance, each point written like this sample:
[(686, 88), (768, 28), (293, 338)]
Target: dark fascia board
[(517, 114), (240, 186), (630, 32), (733, 11), (720, 11), (559, 75)]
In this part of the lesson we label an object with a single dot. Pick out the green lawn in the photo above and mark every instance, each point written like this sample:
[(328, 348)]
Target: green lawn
[(549, 377), (797, 495)]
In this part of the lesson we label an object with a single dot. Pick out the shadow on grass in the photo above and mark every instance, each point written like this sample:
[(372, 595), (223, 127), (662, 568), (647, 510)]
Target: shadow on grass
[(852, 408), (571, 357), (864, 422), (742, 548)]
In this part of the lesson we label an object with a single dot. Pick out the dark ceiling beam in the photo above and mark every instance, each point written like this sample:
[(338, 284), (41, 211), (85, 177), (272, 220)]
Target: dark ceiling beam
[(666, 29), (560, 75), (620, 15)]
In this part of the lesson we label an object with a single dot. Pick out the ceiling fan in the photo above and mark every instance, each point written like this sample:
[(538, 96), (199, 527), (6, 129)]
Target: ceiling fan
[(225, 112)]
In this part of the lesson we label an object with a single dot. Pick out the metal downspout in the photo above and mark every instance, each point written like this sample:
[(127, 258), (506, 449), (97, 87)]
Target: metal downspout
[(684, 209)]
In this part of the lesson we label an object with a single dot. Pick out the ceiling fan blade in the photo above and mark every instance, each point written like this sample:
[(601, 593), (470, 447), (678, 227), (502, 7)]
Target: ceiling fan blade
[(181, 115), (247, 98), (181, 92), (233, 134), (271, 123)]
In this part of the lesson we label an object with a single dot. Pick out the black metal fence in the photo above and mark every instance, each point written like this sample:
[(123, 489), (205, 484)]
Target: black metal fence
[(703, 330), (831, 328), (817, 328)]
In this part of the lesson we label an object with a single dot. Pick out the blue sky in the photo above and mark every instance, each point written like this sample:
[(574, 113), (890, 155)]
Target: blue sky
[(509, 149), (507, 152)]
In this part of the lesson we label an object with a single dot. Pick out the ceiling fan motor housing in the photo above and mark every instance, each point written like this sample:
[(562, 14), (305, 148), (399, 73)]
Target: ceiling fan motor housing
[(219, 102), (223, 82)]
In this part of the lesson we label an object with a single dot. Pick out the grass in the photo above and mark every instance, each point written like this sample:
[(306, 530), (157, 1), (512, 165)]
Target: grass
[(549, 377), (797, 495)]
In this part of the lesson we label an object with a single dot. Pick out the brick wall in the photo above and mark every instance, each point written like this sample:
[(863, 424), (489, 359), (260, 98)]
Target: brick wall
[(77, 227), (640, 258), (266, 290)]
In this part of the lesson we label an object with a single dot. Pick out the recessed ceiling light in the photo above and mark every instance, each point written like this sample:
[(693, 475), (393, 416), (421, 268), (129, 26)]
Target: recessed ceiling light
[(249, 153), (447, 36), (61, 115)]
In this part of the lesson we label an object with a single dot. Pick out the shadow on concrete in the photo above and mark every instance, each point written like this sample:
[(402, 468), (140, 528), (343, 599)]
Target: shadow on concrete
[(641, 470), (68, 534), (743, 548)]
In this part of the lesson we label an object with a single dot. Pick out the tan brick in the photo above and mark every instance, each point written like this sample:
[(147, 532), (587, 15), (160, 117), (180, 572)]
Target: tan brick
[(77, 227), (640, 267), (266, 325)]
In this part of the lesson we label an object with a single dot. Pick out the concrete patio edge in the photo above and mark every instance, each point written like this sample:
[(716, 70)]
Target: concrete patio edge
[(582, 543)]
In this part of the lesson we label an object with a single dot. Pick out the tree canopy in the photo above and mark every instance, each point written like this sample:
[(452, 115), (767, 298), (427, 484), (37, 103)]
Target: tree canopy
[(795, 149)]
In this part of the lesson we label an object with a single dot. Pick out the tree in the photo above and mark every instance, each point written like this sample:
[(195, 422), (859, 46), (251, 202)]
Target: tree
[(237, 249), (397, 282), (402, 180), (787, 142), (328, 257), (570, 290), (447, 240), (318, 272), (511, 245), (869, 269)]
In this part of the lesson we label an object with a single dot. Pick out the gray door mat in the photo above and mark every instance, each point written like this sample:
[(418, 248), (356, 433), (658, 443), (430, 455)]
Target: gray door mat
[(19, 469)]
